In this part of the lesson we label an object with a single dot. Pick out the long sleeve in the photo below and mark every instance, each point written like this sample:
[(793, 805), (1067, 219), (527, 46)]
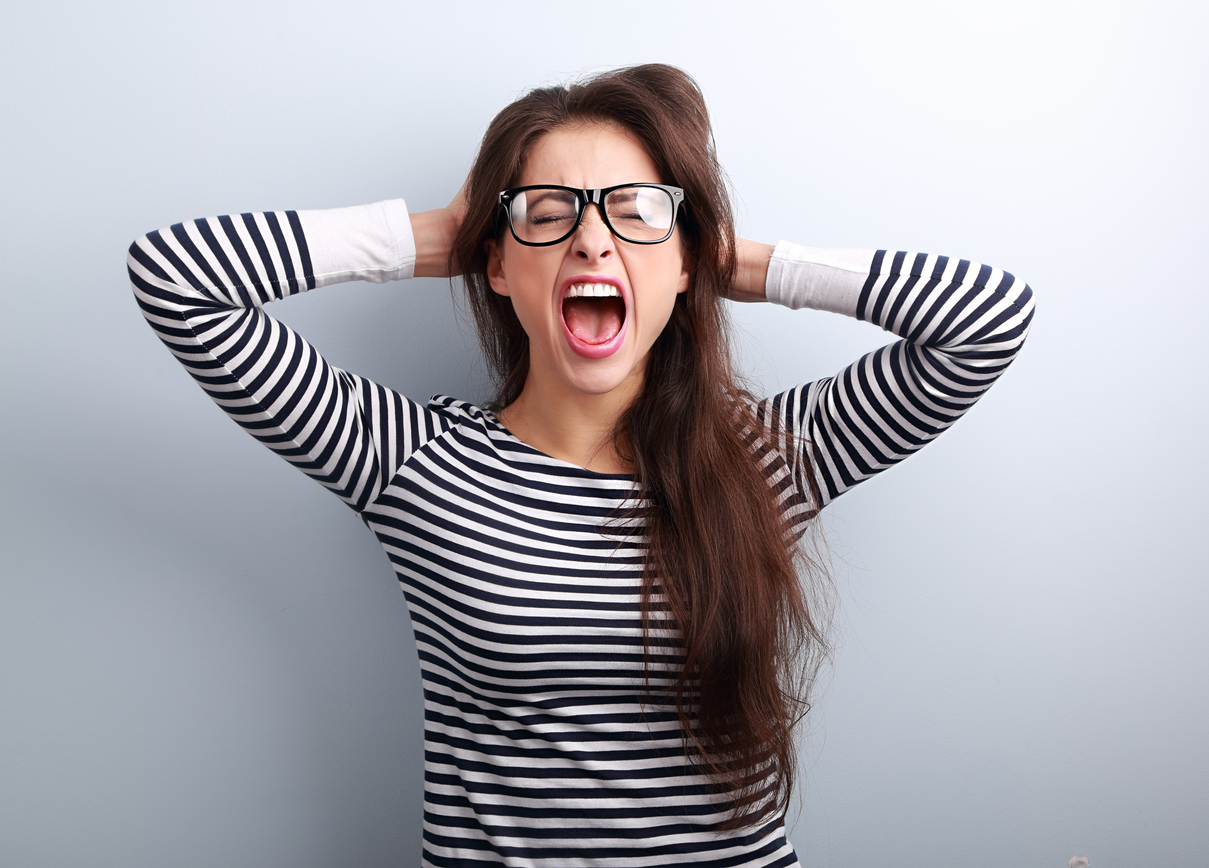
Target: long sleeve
[(201, 286), (961, 324)]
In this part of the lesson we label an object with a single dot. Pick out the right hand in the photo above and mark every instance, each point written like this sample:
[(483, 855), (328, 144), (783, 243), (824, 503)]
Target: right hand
[(457, 205), (434, 232)]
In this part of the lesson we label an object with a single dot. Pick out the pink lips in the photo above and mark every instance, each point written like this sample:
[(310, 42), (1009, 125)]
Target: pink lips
[(584, 348)]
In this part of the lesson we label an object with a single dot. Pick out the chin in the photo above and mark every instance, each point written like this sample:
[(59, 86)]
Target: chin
[(601, 378), (602, 385)]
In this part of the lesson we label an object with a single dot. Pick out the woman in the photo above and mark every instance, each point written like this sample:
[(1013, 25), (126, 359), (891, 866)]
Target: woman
[(600, 566)]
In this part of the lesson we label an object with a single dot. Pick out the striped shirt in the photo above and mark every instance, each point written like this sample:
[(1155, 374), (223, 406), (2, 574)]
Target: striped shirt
[(545, 744)]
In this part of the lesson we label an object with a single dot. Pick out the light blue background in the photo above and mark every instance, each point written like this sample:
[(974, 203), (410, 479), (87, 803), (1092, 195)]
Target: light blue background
[(204, 658)]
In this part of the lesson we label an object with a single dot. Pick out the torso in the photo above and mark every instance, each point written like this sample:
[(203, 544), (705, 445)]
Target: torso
[(545, 744)]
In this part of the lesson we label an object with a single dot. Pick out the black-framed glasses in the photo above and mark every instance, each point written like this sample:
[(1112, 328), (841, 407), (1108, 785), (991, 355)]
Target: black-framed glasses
[(543, 214)]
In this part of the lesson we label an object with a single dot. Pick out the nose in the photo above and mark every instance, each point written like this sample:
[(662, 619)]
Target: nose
[(592, 239)]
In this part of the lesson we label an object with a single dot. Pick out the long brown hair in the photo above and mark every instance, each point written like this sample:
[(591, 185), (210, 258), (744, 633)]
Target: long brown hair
[(721, 560)]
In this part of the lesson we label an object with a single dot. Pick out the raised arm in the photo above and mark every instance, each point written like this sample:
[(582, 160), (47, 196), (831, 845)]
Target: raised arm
[(201, 285), (961, 325)]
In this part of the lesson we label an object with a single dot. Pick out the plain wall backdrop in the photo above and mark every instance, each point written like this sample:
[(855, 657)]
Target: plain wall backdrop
[(204, 657)]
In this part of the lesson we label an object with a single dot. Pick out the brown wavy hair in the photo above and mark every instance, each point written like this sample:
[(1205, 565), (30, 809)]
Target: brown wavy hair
[(722, 563)]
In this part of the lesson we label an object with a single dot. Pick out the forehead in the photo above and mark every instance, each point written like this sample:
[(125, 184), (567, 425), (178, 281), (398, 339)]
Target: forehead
[(588, 156)]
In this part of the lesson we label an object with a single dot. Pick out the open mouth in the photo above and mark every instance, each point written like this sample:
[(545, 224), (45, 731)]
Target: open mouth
[(594, 317)]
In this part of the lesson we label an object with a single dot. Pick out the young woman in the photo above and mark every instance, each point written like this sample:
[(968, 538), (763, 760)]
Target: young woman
[(602, 567)]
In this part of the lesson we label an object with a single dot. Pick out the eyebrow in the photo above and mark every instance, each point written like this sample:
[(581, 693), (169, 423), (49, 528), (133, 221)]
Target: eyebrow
[(551, 194)]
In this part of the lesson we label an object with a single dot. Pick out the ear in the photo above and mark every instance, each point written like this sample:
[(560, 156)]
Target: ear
[(686, 272), (495, 268)]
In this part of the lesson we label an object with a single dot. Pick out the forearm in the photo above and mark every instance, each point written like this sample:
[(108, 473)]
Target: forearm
[(795, 276), (247, 260), (961, 324), (818, 278), (951, 305)]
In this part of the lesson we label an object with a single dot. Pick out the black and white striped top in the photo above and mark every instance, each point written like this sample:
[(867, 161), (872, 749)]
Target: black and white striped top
[(543, 744)]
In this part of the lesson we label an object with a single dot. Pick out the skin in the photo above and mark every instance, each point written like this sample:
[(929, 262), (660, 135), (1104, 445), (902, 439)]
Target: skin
[(569, 405)]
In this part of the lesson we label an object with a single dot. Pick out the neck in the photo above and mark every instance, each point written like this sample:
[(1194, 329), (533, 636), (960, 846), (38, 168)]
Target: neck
[(570, 425)]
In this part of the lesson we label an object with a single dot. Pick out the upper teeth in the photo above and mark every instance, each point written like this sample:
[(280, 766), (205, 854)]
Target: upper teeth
[(593, 290)]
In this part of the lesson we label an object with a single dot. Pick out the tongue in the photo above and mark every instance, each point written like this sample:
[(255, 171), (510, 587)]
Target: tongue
[(594, 320)]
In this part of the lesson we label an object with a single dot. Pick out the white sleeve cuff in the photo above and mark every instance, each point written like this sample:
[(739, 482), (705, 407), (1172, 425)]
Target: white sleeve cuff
[(817, 278), (365, 242)]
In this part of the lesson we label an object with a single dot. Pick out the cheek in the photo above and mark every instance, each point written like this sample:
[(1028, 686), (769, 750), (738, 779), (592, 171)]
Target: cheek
[(528, 309), (654, 312), (664, 284), (530, 278)]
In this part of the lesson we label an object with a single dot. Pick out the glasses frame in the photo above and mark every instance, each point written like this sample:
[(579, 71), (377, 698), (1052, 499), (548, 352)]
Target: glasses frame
[(591, 197)]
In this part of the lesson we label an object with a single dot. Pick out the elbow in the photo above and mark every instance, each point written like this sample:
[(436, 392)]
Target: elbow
[(146, 274), (155, 292), (1016, 306), (1025, 307), (132, 253), (1005, 316)]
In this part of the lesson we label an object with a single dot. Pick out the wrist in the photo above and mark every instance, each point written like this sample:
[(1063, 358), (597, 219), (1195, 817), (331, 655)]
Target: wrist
[(751, 270), (434, 232)]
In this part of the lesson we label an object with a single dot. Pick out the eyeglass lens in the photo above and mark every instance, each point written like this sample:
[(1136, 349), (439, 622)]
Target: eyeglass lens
[(635, 213)]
